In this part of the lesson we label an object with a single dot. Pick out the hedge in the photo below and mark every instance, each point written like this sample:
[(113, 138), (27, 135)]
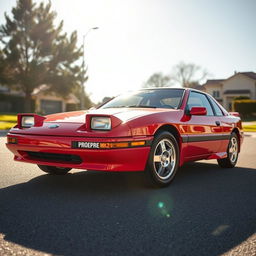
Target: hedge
[(245, 107)]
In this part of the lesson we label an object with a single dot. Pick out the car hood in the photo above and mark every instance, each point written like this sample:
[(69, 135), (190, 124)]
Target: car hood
[(74, 123), (124, 114)]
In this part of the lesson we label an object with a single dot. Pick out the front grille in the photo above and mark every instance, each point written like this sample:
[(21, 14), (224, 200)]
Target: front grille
[(51, 157)]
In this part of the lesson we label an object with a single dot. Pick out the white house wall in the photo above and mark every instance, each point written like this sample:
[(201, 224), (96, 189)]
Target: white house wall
[(238, 82), (214, 87)]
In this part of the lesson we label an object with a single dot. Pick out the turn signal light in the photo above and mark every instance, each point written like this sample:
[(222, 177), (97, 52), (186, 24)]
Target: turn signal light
[(138, 143)]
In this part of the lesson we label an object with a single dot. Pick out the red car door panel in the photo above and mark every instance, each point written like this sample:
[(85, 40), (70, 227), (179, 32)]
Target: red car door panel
[(203, 132)]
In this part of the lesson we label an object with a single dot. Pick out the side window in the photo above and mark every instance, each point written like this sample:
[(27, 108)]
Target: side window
[(199, 100), (216, 108)]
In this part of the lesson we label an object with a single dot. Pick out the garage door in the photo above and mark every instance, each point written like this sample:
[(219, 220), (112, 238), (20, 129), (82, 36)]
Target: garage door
[(51, 106)]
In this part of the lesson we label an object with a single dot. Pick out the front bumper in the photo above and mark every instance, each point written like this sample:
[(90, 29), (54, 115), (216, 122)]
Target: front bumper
[(121, 159)]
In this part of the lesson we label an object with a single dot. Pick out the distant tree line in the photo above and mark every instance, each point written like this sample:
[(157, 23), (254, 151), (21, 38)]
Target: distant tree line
[(183, 74), (34, 51), (188, 75)]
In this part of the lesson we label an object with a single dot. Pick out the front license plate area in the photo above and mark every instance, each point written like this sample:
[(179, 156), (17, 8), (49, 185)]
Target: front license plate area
[(85, 144)]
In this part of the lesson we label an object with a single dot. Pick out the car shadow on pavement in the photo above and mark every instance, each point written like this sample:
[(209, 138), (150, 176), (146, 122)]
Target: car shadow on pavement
[(205, 211)]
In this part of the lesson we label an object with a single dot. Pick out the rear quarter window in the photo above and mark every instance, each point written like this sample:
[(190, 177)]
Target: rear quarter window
[(217, 110)]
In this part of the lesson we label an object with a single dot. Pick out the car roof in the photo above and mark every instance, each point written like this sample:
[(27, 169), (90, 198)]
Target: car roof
[(162, 88), (170, 88)]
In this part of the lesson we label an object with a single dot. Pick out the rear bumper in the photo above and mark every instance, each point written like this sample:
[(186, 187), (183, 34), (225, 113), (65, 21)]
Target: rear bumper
[(123, 159)]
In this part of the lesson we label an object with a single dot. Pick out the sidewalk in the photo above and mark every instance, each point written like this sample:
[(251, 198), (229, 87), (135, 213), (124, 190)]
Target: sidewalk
[(250, 134), (249, 123)]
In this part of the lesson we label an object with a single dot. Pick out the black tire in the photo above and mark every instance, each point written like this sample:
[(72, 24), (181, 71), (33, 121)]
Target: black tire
[(54, 170), (162, 165), (231, 159)]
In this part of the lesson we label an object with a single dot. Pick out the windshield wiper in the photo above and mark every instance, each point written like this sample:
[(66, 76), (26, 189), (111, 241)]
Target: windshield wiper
[(133, 106), (141, 106)]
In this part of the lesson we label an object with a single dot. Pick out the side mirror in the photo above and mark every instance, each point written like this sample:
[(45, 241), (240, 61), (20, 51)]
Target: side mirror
[(198, 111)]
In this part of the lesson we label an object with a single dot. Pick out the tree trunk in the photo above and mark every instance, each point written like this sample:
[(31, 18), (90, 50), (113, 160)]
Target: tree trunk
[(28, 103)]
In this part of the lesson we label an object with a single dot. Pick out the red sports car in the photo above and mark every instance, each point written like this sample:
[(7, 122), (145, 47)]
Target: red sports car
[(150, 130)]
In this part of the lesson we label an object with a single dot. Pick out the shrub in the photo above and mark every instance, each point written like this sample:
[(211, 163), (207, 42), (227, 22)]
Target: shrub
[(245, 107)]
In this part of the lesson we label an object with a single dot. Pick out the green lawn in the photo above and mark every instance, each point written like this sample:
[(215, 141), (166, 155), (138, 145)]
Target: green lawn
[(8, 118), (249, 128), (7, 121), (6, 125)]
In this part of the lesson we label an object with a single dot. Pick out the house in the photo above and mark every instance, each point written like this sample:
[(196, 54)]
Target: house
[(225, 90), (48, 102), (44, 101)]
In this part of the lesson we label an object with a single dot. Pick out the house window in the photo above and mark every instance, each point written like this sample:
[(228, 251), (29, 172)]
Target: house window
[(216, 94)]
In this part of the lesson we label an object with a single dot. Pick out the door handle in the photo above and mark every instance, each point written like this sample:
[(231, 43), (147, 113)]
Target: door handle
[(217, 123)]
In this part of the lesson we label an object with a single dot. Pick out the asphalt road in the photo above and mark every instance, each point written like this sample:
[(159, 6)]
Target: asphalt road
[(206, 211)]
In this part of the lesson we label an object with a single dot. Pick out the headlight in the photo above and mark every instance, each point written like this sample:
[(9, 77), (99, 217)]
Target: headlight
[(100, 123), (27, 121)]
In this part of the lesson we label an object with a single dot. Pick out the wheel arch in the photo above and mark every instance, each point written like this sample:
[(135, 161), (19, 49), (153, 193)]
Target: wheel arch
[(173, 130)]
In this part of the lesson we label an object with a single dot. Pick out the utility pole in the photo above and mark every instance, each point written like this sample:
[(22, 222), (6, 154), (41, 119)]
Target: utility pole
[(83, 65)]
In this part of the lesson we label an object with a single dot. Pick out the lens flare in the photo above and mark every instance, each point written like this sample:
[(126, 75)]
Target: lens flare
[(160, 206)]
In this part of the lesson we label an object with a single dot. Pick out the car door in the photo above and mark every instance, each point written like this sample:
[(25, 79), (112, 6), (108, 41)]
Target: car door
[(202, 131), (226, 125)]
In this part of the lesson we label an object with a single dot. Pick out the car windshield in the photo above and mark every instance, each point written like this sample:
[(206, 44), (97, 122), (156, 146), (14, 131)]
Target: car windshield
[(155, 98)]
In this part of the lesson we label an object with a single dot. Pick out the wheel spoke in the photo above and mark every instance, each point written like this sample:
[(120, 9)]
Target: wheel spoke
[(163, 148), (161, 170), (157, 158), (169, 167), (170, 152)]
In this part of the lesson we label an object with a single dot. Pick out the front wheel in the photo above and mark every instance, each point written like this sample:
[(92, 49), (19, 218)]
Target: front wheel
[(54, 170), (232, 153), (163, 160)]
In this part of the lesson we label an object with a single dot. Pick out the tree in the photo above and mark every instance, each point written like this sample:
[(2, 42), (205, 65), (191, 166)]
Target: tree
[(158, 80), (33, 51), (83, 96), (188, 74)]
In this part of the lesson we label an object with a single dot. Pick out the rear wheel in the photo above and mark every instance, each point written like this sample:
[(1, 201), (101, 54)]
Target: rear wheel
[(232, 153), (54, 170), (163, 160)]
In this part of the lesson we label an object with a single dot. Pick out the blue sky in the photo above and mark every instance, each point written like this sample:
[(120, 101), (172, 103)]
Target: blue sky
[(139, 37)]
